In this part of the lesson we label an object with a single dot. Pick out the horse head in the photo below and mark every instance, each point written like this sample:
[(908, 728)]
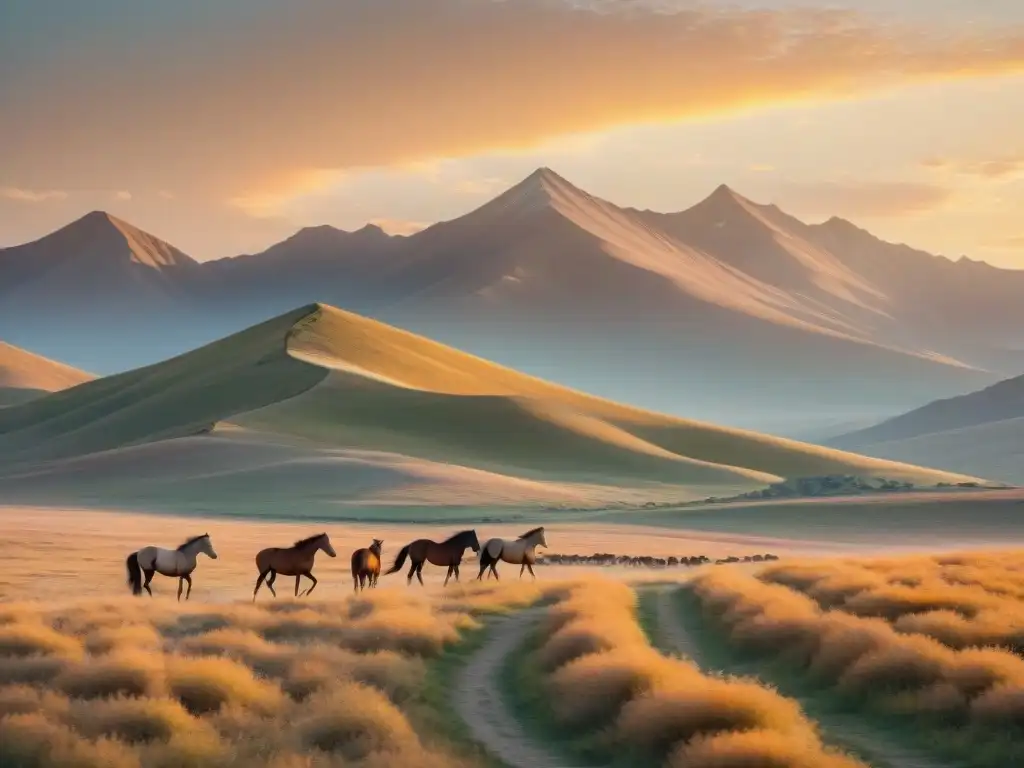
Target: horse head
[(206, 546), (325, 545), (377, 547), (473, 541)]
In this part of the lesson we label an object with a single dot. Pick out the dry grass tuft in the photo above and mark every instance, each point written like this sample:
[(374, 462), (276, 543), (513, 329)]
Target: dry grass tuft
[(903, 656), (602, 675), (130, 684)]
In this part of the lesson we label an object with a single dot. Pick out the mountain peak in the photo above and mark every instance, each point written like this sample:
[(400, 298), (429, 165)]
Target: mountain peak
[(99, 236)]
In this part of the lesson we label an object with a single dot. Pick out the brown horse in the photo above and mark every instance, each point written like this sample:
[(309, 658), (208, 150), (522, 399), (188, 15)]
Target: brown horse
[(296, 560), (366, 565), (448, 552)]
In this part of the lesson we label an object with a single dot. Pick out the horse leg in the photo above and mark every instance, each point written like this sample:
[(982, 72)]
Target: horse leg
[(188, 578), (270, 582), (494, 570), (483, 568), (412, 572), (529, 567), (448, 575), (149, 578), (297, 584), (259, 583), (521, 569), (309, 575), (456, 571), (181, 586), (419, 573)]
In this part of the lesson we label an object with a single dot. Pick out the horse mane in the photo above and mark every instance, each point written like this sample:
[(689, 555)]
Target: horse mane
[(309, 540), (467, 532), (530, 533), (193, 540)]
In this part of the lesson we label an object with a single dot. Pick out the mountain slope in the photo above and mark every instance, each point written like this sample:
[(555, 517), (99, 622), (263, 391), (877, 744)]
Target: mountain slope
[(24, 375), (982, 430), (347, 410), (753, 317)]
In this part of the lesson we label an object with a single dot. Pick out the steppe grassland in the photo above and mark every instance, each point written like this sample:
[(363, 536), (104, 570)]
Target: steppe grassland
[(897, 637), (124, 683), (593, 668)]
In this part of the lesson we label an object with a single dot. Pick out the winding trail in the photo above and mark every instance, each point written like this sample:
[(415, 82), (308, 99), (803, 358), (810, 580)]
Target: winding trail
[(846, 731), (478, 699)]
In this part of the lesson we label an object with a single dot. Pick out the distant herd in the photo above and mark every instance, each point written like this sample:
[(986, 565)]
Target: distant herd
[(297, 560)]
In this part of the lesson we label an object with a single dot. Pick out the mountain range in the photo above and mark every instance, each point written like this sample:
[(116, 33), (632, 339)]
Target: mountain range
[(348, 414), (730, 311), (981, 431)]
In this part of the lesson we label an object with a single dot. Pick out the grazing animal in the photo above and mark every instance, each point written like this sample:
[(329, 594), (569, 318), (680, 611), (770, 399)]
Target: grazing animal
[(521, 552), (448, 552), (178, 562), (366, 565), (296, 560)]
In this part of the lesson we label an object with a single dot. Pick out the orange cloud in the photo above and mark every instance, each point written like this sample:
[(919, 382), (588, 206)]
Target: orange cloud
[(397, 227), (242, 112), (31, 196), (998, 168), (868, 199)]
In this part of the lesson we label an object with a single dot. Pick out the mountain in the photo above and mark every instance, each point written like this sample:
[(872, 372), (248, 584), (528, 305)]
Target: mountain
[(347, 412), (731, 310), (98, 278), (24, 375), (979, 432)]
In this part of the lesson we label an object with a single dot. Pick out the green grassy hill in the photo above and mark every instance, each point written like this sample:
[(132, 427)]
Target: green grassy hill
[(323, 402)]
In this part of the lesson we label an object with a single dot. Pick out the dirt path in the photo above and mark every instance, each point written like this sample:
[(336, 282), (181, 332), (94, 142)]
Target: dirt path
[(845, 731), (479, 703)]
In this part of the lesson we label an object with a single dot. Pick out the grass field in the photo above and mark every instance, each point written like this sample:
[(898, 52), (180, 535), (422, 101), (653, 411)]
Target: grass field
[(561, 671), (932, 642)]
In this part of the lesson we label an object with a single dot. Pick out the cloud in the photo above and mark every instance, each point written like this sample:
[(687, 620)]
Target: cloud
[(31, 196), (123, 195), (866, 198), (239, 111), (1001, 168), (762, 168), (396, 227)]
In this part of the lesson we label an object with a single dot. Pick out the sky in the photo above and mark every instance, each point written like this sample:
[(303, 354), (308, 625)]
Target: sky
[(223, 126)]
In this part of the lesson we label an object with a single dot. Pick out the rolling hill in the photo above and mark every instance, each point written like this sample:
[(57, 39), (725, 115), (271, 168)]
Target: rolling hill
[(24, 375), (755, 318), (979, 432), (345, 412)]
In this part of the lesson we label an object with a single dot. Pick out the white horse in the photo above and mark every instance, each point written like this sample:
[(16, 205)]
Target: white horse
[(518, 552), (178, 562)]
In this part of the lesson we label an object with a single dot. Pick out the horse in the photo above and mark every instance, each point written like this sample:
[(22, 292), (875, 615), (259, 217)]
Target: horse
[(448, 552), (366, 565), (518, 552), (296, 560), (178, 562)]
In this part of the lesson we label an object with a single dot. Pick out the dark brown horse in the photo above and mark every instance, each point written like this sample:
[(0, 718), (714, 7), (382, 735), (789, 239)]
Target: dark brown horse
[(296, 560), (366, 565), (448, 552)]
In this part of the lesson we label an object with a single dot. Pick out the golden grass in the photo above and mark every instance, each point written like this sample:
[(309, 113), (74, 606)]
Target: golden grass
[(286, 684), (875, 664), (602, 675), (961, 601)]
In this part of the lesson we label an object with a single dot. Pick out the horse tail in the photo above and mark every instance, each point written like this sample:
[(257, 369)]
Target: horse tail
[(400, 560), (134, 573)]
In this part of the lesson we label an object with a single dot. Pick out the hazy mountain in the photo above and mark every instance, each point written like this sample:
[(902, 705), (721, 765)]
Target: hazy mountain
[(99, 292), (730, 310), (980, 430)]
